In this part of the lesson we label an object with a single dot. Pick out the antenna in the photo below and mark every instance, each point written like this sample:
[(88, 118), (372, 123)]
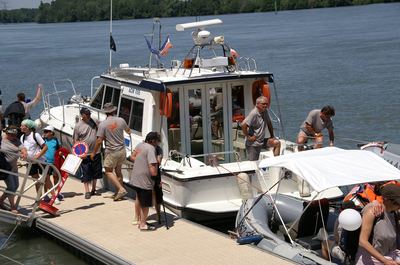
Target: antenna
[(199, 25), (111, 4)]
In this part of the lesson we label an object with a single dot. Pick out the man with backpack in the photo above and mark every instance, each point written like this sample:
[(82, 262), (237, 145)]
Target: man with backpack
[(17, 111)]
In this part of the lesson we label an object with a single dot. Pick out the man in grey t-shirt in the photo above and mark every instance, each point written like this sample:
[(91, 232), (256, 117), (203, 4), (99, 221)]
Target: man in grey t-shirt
[(311, 128), (253, 127), (144, 169), (111, 130), (85, 131)]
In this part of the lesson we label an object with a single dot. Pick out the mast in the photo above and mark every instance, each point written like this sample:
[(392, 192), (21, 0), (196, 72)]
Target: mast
[(110, 32)]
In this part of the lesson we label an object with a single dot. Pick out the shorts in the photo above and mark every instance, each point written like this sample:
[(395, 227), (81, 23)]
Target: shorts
[(91, 169), (50, 171), (158, 194), (12, 183), (35, 169), (309, 136), (115, 159), (145, 197), (253, 152)]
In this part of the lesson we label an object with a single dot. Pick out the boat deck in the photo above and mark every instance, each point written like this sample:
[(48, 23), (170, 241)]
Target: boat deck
[(102, 229)]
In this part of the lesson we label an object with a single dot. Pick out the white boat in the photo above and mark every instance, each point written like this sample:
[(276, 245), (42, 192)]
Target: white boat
[(322, 169), (197, 105), (388, 151)]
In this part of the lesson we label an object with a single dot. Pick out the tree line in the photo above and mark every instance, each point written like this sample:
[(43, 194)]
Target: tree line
[(96, 10)]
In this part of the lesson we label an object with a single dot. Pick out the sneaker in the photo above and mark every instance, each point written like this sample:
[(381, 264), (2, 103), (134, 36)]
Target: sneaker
[(60, 197), (120, 195), (46, 198), (57, 201), (135, 221), (338, 253), (87, 195), (95, 193)]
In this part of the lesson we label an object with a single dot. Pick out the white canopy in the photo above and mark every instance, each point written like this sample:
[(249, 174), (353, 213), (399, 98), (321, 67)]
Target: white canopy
[(333, 167)]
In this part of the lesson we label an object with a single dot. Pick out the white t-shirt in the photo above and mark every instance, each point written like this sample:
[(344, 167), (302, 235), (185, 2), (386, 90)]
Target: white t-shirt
[(31, 146)]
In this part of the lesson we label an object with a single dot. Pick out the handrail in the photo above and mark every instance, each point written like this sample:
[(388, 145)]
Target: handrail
[(91, 84), (208, 155), (24, 187)]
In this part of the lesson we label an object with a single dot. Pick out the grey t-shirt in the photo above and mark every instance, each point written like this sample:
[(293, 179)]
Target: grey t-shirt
[(86, 132), (140, 176), (316, 122), (14, 147), (112, 129), (257, 123)]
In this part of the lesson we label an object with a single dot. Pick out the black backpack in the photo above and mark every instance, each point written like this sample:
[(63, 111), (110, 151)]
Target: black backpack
[(15, 112)]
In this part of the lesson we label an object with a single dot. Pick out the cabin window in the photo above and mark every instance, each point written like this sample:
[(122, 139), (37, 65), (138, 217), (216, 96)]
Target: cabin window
[(238, 116), (132, 112), (96, 103), (173, 122), (112, 95), (109, 94)]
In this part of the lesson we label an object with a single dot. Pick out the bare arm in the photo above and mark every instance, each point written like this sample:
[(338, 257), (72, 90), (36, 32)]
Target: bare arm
[(134, 155), (310, 129), (42, 151), (23, 153), (331, 136), (38, 95), (270, 128), (366, 229), (153, 169), (245, 129), (99, 141)]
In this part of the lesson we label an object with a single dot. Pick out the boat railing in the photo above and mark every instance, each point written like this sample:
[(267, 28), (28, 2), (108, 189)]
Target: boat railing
[(24, 190), (92, 84), (276, 120), (246, 64), (211, 159)]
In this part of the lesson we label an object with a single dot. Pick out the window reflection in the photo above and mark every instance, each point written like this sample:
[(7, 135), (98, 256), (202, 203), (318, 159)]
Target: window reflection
[(173, 123), (132, 112)]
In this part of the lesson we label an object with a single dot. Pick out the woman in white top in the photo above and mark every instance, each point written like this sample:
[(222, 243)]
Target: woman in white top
[(35, 146)]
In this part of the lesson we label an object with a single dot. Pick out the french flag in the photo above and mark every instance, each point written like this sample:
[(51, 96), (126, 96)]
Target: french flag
[(166, 46)]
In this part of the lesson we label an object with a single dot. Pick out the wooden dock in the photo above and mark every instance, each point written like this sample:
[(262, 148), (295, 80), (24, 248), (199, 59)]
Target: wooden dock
[(102, 229)]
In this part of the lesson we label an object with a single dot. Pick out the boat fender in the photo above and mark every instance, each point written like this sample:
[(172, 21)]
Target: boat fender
[(261, 88), (254, 239), (243, 181), (166, 103)]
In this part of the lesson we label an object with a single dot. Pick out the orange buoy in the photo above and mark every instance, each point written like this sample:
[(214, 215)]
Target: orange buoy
[(261, 88), (166, 103)]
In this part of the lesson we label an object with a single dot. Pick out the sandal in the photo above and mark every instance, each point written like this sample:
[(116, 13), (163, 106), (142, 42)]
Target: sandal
[(3, 207), (147, 229)]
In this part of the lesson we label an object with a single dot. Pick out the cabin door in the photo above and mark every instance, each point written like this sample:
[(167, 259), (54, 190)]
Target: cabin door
[(205, 115)]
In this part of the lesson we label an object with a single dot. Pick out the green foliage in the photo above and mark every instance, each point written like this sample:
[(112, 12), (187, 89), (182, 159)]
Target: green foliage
[(18, 15), (94, 10)]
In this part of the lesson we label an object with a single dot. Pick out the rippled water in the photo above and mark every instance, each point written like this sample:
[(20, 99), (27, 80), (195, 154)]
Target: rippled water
[(348, 57)]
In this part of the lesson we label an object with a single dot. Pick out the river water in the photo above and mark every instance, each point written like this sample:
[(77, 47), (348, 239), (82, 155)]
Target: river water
[(348, 57)]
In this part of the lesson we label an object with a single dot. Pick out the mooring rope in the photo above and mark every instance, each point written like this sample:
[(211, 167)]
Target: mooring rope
[(8, 238), (5, 242), (10, 259)]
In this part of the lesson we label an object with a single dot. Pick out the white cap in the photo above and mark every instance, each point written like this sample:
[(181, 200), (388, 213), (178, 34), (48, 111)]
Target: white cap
[(49, 128)]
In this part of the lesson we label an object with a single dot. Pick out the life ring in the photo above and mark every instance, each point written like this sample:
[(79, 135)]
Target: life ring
[(261, 88), (166, 103)]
